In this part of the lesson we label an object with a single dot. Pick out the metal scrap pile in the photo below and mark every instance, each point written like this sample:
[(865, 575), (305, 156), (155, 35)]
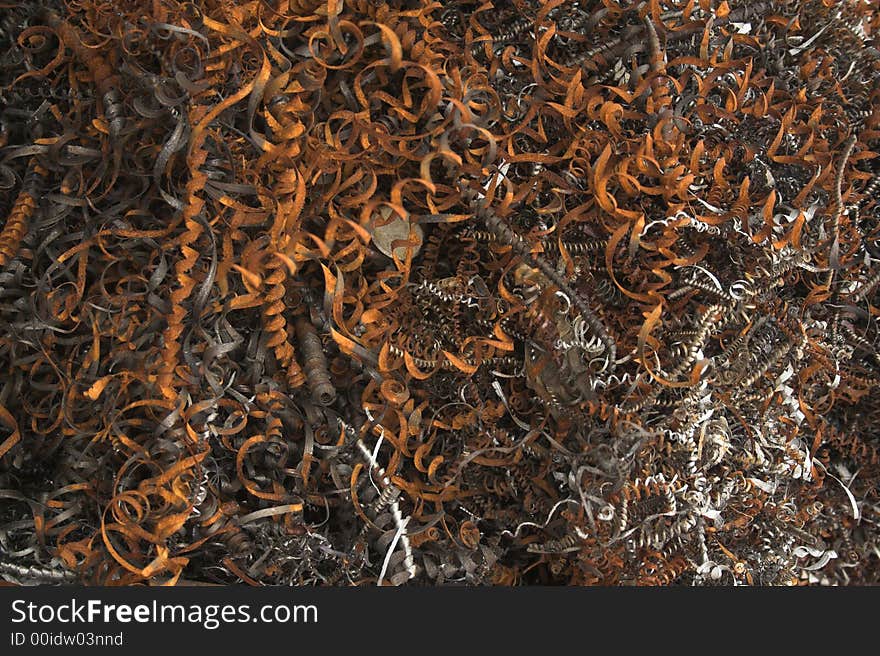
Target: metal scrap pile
[(411, 292)]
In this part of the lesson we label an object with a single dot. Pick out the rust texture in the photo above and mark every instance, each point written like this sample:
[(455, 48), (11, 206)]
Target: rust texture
[(410, 292)]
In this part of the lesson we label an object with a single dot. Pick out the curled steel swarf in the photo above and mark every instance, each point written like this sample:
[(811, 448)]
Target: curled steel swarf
[(408, 292)]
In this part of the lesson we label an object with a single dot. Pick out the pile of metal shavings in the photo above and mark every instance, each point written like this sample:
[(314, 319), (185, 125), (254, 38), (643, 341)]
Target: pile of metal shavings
[(411, 292)]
